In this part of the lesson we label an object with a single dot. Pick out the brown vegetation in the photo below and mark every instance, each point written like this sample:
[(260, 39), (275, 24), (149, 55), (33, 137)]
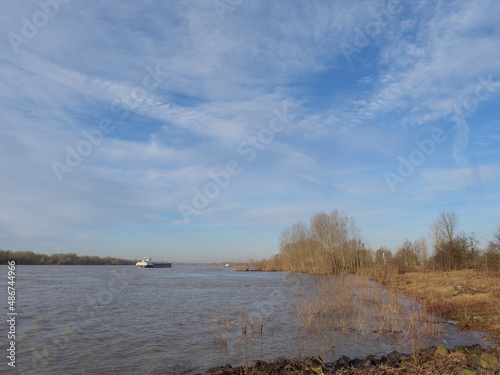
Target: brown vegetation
[(355, 304), (350, 304), (330, 244), (459, 281), (469, 296)]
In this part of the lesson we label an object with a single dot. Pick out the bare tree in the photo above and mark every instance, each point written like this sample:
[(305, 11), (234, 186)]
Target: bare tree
[(338, 237), (422, 252), (445, 227), (406, 257), (444, 232), (453, 249), (492, 254), (331, 243)]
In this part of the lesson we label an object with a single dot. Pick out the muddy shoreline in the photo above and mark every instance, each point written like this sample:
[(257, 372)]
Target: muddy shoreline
[(463, 360)]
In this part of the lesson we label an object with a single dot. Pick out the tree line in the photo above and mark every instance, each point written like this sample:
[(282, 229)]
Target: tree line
[(31, 258), (331, 243)]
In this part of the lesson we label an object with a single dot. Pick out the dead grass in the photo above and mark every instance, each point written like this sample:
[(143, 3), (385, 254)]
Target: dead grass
[(469, 296), (354, 304)]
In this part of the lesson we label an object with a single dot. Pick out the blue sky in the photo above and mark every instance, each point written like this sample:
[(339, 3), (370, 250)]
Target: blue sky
[(200, 130)]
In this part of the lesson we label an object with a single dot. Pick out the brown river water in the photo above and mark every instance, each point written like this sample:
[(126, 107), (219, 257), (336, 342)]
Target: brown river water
[(91, 319)]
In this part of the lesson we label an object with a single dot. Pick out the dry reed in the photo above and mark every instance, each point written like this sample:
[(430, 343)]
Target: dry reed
[(339, 303), (354, 304)]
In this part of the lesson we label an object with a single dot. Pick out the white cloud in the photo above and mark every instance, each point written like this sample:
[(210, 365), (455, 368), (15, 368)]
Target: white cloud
[(450, 53), (224, 79), (459, 179)]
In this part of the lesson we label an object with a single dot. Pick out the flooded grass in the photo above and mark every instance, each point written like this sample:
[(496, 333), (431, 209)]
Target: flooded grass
[(354, 304), (337, 305)]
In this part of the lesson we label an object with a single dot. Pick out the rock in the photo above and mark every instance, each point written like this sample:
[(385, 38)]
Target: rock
[(289, 368), (393, 357), (259, 364), (376, 359), (342, 362), (473, 347), (358, 363), (479, 362), (314, 364), (223, 370), (487, 361), (441, 350), (461, 348), (476, 361)]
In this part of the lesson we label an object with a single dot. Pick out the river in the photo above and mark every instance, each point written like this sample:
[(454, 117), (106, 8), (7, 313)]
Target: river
[(93, 319)]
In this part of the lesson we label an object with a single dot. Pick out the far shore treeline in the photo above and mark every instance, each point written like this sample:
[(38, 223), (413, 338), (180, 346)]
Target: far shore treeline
[(30, 258), (332, 243)]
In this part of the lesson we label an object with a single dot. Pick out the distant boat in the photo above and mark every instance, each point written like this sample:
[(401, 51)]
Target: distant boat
[(227, 265), (148, 263), (145, 263)]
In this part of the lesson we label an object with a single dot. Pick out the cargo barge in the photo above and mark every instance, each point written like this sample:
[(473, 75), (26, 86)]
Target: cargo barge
[(148, 263)]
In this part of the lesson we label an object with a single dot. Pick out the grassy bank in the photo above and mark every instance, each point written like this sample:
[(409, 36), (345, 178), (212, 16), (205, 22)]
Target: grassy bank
[(471, 297)]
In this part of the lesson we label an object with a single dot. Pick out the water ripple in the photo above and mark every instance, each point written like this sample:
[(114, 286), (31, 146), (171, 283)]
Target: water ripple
[(87, 319)]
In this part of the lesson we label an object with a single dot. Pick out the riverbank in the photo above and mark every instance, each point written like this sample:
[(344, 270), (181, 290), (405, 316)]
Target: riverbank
[(466, 298), (469, 297), (460, 360)]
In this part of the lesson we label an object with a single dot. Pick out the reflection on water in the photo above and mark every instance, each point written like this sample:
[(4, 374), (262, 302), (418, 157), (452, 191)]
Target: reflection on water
[(90, 319)]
